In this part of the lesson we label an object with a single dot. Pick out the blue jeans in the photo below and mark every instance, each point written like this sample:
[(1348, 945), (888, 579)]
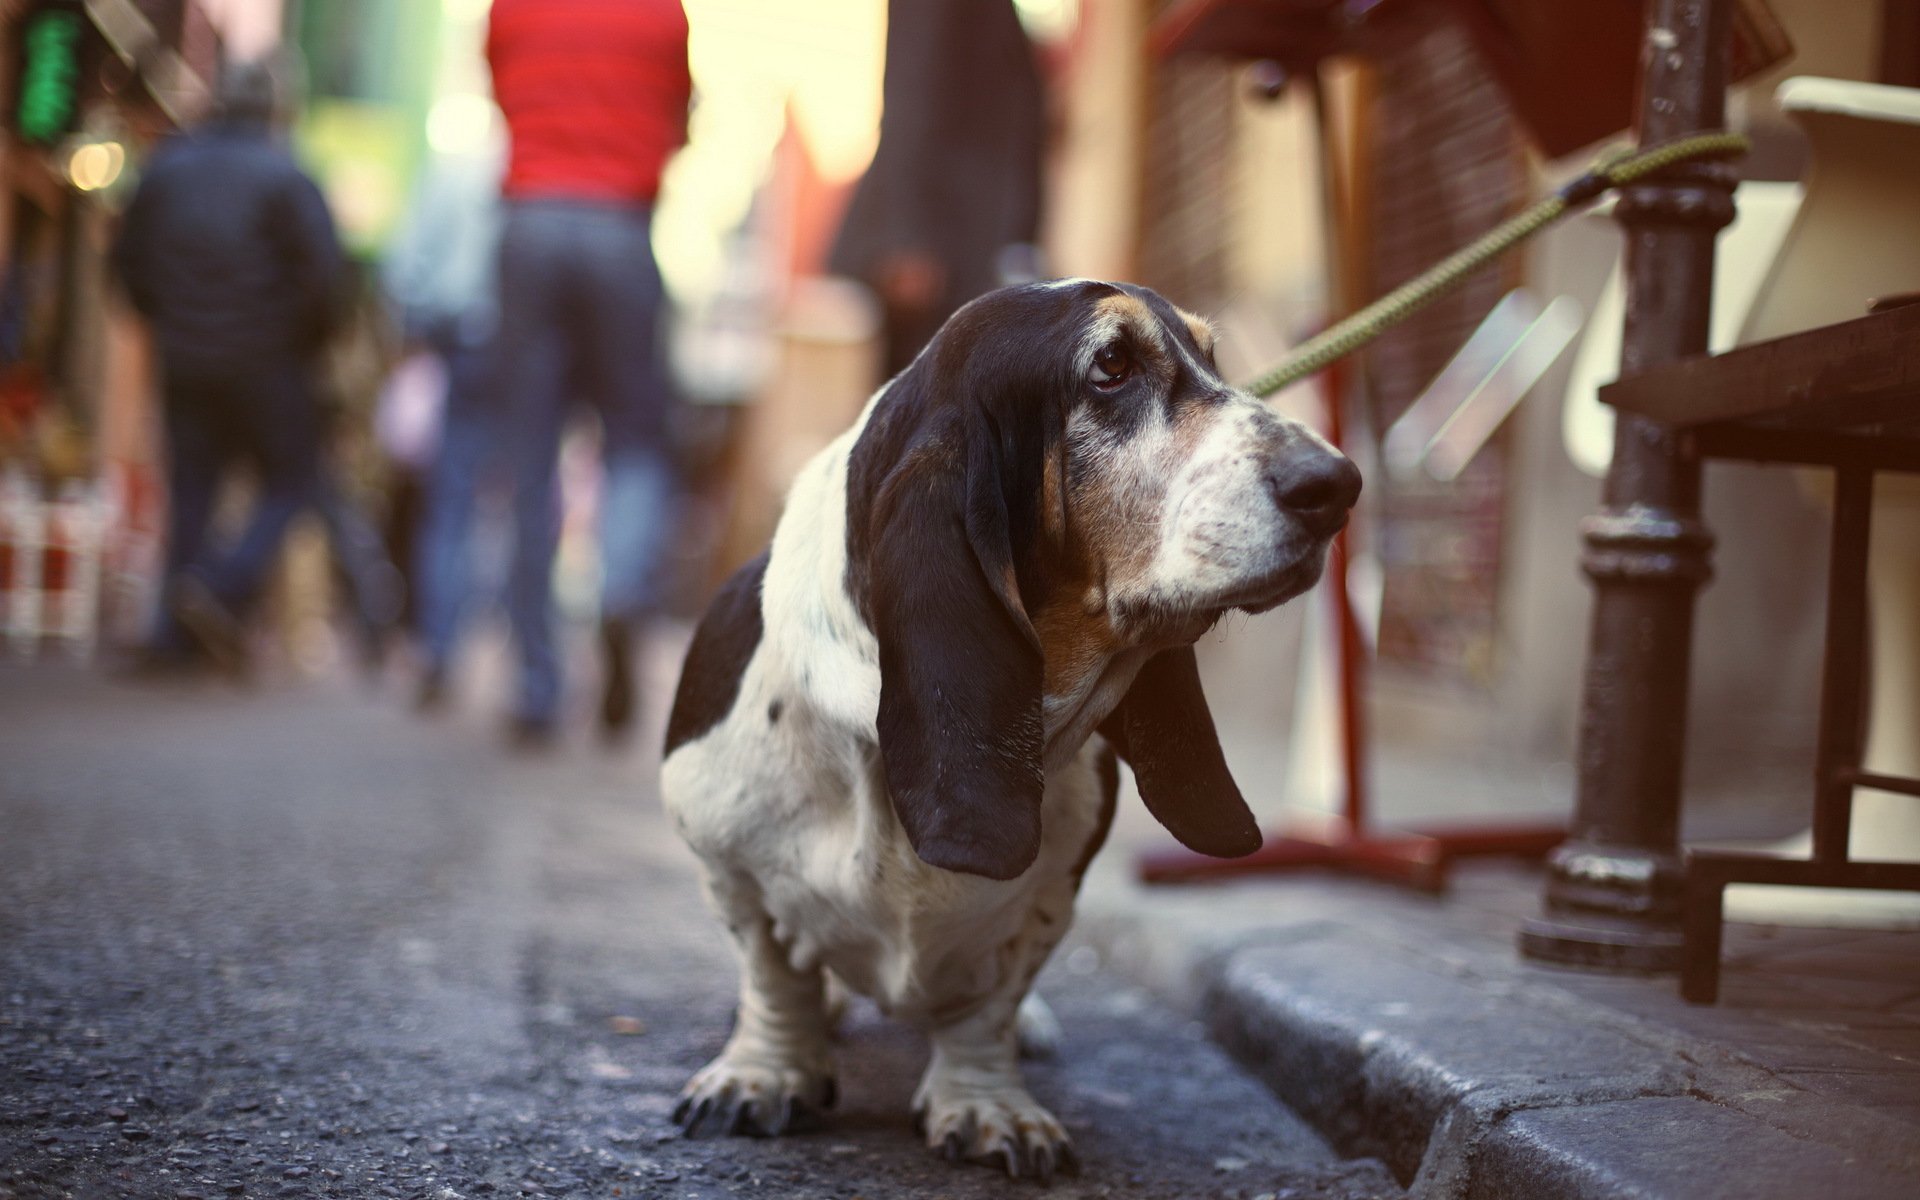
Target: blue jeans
[(468, 455), (373, 583), (263, 415), (580, 307)]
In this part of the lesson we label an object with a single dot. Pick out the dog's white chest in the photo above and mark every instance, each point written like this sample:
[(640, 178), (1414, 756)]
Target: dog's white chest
[(796, 811)]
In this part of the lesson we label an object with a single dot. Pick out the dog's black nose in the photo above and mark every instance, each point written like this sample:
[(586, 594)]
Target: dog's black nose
[(1316, 486)]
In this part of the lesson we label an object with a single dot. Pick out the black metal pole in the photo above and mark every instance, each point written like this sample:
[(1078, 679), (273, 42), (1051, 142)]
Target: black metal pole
[(1613, 888)]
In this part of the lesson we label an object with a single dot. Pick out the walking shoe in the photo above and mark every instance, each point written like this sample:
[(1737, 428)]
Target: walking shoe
[(377, 612), (154, 664), (617, 697), (431, 694), (532, 735), (211, 624)]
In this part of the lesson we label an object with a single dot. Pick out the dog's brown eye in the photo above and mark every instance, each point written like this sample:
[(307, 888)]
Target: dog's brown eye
[(1111, 366)]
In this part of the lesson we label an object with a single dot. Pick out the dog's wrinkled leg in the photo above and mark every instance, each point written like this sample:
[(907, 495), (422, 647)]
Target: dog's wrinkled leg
[(972, 1103), (776, 1071)]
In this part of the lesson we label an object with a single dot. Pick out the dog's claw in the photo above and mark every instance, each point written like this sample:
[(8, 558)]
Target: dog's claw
[(1010, 1158), (1008, 1132), (749, 1098)]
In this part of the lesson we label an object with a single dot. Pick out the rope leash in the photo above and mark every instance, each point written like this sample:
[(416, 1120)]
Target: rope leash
[(1614, 168)]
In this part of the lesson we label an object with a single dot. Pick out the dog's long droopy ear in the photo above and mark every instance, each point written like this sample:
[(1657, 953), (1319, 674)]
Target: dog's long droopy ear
[(960, 667), (1164, 730)]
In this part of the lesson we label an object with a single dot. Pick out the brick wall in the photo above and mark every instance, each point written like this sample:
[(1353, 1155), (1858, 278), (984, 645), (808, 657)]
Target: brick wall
[(1447, 166), (1185, 215)]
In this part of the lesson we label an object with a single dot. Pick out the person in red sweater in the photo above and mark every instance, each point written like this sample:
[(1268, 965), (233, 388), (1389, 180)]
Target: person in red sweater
[(595, 95)]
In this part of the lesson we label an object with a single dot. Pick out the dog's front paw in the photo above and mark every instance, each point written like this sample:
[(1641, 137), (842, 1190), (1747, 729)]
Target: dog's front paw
[(1001, 1125), (755, 1098)]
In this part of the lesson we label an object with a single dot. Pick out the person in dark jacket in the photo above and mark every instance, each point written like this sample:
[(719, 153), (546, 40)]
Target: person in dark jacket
[(950, 207), (229, 252)]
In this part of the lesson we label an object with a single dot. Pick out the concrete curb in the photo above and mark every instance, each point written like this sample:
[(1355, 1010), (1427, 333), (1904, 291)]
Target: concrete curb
[(1480, 1080)]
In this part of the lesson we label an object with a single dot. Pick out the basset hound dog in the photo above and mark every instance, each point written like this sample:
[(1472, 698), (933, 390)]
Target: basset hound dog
[(893, 745)]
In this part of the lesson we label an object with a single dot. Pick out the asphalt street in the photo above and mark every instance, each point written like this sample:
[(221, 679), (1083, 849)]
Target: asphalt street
[(294, 941)]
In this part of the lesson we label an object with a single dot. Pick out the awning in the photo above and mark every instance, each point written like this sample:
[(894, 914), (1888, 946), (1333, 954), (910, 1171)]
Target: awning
[(1568, 67)]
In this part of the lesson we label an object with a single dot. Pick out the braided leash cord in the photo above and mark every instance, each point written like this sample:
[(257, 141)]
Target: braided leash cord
[(1614, 168)]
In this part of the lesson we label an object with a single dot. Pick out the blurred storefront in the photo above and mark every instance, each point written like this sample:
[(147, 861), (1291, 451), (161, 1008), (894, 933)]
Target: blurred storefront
[(90, 86)]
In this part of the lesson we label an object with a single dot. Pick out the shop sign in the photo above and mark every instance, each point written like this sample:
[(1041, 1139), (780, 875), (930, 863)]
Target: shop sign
[(52, 40)]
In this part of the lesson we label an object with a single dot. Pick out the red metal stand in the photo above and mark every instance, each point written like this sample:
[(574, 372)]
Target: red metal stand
[(1345, 843)]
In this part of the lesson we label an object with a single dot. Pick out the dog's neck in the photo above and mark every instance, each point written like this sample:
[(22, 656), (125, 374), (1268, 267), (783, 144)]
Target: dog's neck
[(1072, 714), (1087, 669)]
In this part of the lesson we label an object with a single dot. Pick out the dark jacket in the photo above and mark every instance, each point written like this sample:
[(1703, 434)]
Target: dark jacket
[(957, 171), (228, 249)]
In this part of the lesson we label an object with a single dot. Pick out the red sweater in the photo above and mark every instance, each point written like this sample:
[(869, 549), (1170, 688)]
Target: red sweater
[(595, 95)]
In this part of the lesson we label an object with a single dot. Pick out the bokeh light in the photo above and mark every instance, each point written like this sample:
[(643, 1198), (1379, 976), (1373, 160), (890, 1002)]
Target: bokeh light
[(461, 123), (96, 165), (755, 64)]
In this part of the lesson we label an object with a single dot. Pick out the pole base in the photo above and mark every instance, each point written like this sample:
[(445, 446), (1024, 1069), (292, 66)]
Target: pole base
[(1602, 942), (1417, 858)]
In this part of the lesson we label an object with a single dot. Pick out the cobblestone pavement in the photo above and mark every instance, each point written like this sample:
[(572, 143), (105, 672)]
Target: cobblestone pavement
[(295, 942)]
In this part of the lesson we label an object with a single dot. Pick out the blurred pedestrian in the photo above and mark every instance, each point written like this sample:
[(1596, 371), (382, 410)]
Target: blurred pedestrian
[(950, 206), (439, 276), (376, 591), (595, 95), (229, 252)]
